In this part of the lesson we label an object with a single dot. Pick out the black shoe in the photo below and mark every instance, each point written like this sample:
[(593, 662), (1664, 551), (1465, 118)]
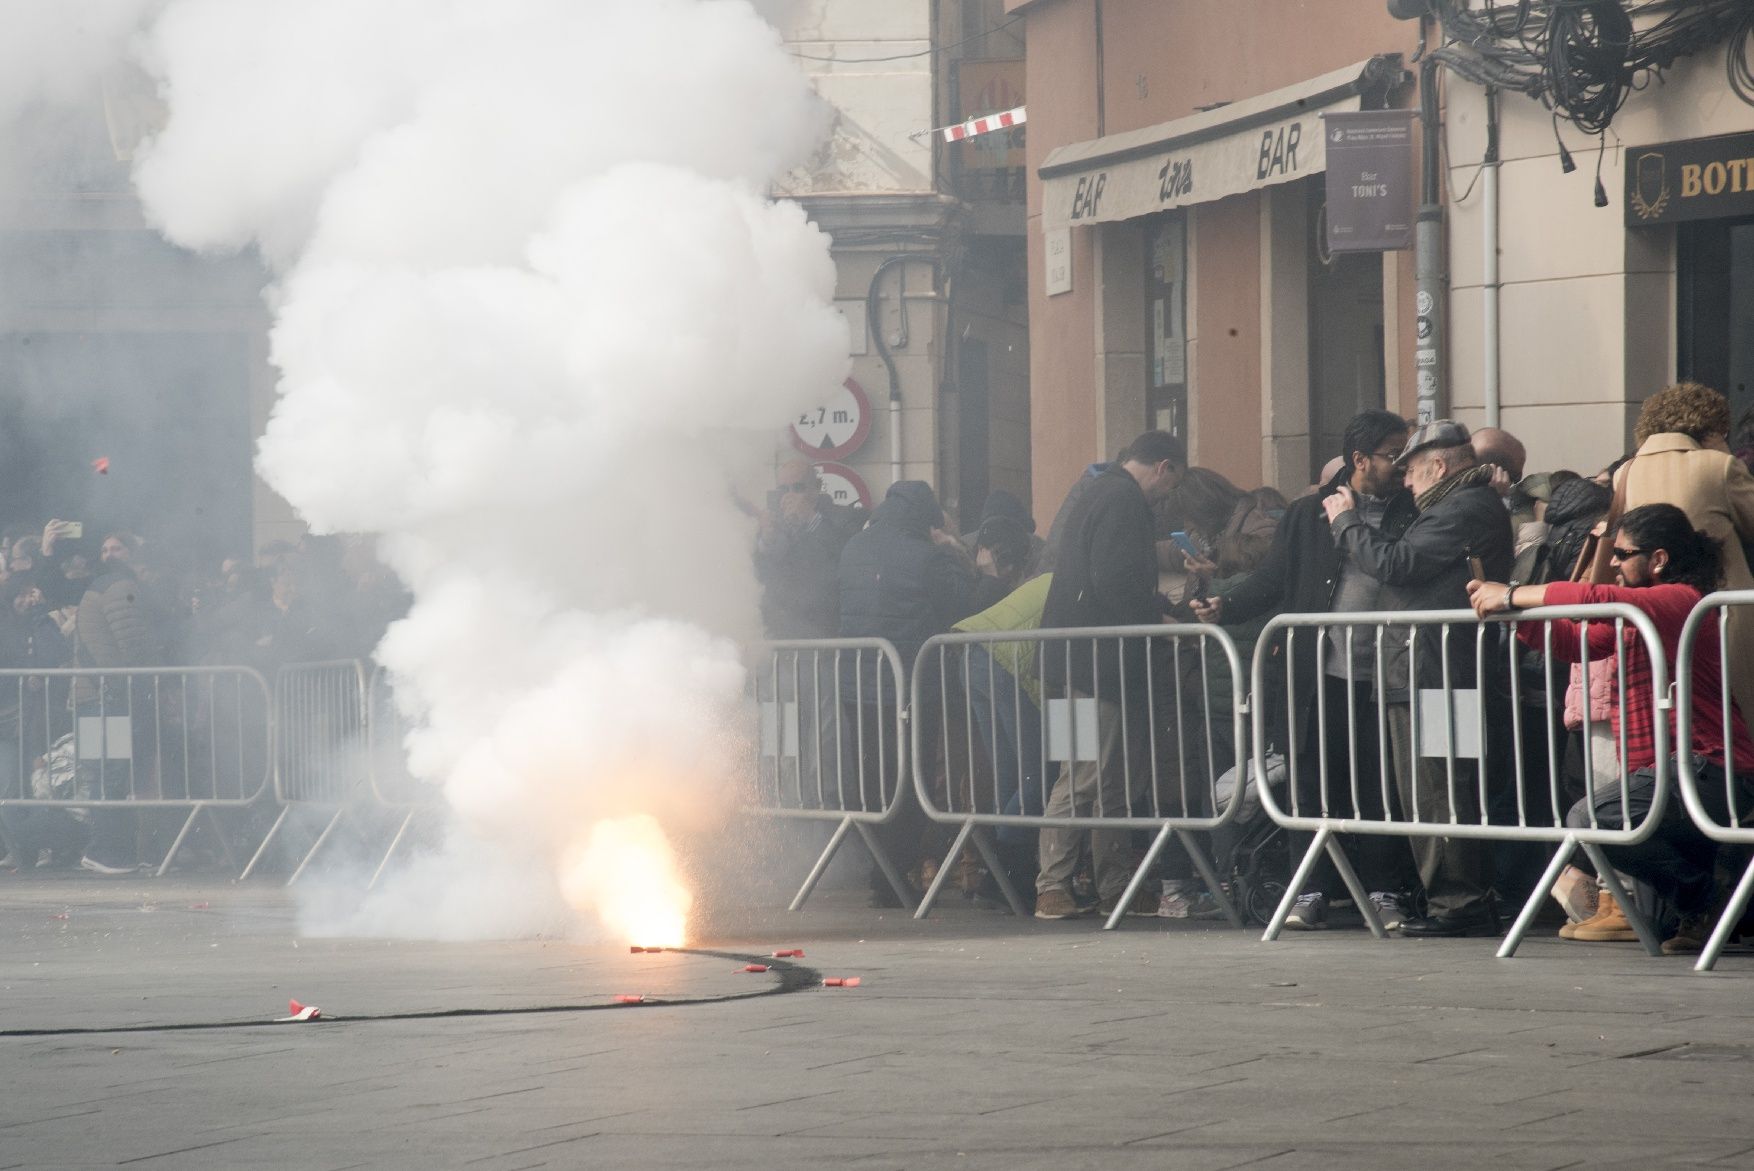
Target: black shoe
[(1472, 923), (884, 898)]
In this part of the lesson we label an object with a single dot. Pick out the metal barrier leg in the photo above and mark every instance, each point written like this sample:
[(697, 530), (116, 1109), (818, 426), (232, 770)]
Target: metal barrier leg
[(1360, 896), (1295, 886), (1561, 857), (1207, 872), (1640, 925), (266, 842), (231, 858), (177, 844), (931, 895), (816, 871), (896, 882), (1138, 879), (983, 842), (318, 844), (401, 830), (1727, 922)]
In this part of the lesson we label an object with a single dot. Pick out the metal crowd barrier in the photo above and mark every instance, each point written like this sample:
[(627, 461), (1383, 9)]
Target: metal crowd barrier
[(321, 714), (393, 786), (1469, 722), (832, 743), (194, 738), (1006, 761), (1729, 830)]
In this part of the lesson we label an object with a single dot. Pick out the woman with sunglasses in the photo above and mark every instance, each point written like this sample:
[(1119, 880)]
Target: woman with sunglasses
[(1663, 566)]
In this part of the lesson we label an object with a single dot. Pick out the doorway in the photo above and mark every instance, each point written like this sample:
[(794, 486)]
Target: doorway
[(1347, 373), (1716, 314)]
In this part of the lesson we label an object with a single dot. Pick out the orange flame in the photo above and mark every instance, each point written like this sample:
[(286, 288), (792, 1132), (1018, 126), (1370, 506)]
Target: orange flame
[(626, 874)]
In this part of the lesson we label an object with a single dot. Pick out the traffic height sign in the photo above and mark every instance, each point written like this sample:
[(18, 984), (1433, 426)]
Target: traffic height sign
[(835, 428)]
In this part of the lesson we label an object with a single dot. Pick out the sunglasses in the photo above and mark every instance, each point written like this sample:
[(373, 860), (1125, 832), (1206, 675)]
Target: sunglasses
[(1620, 554), (800, 488)]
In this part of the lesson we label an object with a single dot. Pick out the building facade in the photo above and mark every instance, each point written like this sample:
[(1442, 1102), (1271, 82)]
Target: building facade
[(1179, 275), (928, 241), (1597, 307)]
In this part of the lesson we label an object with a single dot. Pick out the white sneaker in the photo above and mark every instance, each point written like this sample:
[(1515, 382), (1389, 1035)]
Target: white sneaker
[(1308, 913), (1389, 909)]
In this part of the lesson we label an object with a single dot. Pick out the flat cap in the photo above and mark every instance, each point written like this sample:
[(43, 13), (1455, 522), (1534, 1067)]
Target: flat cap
[(1437, 433)]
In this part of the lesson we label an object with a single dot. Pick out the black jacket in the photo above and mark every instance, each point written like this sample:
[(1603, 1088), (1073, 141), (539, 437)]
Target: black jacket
[(1426, 568), (896, 583), (1300, 575), (1106, 576)]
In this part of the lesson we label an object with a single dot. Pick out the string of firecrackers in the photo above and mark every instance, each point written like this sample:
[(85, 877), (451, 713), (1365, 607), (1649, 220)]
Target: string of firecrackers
[(974, 127)]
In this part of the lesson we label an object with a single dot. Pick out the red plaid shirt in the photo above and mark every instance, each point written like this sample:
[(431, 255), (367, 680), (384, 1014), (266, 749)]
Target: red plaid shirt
[(1668, 607)]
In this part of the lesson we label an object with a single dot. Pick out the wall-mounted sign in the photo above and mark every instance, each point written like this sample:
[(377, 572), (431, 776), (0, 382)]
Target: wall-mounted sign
[(1698, 179), (837, 427), (1057, 245), (1370, 180), (843, 485)]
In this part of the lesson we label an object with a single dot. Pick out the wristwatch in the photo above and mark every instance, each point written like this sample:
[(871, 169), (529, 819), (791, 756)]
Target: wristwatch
[(1510, 593)]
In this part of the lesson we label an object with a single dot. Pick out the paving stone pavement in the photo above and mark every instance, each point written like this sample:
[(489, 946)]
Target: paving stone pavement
[(974, 1041)]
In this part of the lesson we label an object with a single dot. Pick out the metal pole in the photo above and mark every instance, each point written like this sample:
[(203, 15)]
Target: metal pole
[(1428, 254)]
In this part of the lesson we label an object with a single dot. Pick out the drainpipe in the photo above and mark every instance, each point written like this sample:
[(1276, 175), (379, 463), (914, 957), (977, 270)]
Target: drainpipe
[(874, 317), (1489, 259)]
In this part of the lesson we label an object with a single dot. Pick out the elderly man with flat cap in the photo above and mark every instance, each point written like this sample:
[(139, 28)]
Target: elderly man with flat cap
[(1427, 567)]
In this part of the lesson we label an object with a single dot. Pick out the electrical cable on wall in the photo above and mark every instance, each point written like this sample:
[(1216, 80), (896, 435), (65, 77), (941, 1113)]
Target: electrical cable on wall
[(1582, 58)]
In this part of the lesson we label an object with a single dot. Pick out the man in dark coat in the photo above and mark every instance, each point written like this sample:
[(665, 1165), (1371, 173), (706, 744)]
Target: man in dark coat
[(1428, 567), (904, 579), (1305, 573), (1106, 576), (116, 629), (797, 556)]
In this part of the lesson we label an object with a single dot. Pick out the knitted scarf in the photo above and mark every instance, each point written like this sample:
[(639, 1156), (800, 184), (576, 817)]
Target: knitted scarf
[(1478, 474)]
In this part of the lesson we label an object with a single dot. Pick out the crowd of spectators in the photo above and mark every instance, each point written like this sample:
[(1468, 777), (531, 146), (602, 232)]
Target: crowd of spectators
[(112, 601), (1403, 518), (314, 599)]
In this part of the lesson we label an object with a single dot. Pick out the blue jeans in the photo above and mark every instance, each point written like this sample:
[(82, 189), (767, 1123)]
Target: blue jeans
[(1009, 724)]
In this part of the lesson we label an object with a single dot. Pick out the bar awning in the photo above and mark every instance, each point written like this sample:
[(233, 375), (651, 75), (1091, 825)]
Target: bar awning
[(1258, 142)]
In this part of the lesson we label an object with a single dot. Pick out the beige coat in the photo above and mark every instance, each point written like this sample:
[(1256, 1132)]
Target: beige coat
[(1716, 492)]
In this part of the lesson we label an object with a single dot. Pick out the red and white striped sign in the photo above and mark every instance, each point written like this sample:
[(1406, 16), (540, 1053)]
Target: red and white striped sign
[(985, 124)]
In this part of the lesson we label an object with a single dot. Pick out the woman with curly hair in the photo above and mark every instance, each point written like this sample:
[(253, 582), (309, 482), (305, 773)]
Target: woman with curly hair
[(1684, 459)]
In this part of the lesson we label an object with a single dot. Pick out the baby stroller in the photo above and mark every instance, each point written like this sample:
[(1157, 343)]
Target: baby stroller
[(1252, 853)]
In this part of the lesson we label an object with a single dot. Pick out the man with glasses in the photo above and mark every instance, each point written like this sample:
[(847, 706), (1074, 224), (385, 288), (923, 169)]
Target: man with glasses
[(1304, 573), (797, 554), (1461, 523)]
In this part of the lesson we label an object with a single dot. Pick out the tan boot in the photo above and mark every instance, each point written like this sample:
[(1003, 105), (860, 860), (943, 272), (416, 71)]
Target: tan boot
[(1607, 925)]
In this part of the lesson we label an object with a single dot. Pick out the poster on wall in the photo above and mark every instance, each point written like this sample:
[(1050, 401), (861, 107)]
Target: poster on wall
[(1169, 258), (1370, 180)]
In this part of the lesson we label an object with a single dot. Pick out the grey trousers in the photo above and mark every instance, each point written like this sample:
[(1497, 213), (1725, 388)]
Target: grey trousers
[(1454, 871), (1091, 788)]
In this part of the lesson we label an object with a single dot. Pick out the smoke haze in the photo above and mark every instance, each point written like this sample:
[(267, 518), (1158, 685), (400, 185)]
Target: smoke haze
[(533, 314)]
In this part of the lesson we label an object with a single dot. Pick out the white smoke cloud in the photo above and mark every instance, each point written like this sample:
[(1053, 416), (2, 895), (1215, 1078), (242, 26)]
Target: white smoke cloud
[(534, 314), (56, 50)]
